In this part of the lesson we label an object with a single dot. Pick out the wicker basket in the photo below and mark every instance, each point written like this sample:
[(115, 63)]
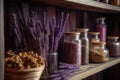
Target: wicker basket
[(28, 74)]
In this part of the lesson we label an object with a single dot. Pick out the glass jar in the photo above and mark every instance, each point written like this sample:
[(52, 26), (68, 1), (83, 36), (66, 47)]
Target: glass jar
[(101, 27), (52, 62), (113, 46), (98, 52), (72, 48), (93, 37), (85, 45)]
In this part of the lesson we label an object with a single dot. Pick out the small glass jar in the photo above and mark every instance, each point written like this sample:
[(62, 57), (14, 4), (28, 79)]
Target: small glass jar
[(52, 62), (85, 45), (72, 48), (98, 52), (102, 28), (93, 37), (113, 46)]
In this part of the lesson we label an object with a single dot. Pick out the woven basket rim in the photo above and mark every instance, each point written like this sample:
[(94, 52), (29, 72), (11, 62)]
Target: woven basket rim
[(25, 70)]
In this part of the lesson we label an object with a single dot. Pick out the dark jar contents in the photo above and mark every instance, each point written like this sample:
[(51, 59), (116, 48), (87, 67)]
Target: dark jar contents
[(101, 27), (72, 48), (113, 46), (85, 45), (98, 52)]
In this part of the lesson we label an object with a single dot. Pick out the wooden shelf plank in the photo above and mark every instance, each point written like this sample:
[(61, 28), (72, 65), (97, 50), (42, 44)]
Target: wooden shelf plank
[(96, 5), (94, 68), (1, 40), (88, 5)]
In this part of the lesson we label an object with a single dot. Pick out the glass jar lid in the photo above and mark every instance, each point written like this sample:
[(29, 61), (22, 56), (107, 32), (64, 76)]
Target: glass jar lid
[(113, 37), (94, 33), (98, 43), (102, 18), (82, 29), (72, 33)]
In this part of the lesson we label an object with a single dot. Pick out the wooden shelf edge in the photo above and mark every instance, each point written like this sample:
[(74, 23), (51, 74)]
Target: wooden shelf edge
[(98, 6), (88, 5), (95, 69)]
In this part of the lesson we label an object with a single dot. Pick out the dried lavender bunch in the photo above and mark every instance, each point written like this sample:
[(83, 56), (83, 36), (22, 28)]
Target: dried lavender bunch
[(65, 72), (56, 31), (33, 33)]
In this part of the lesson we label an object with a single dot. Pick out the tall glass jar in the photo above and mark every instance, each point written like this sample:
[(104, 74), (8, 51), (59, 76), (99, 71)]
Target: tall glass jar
[(113, 46), (101, 27), (85, 45), (72, 48), (98, 52)]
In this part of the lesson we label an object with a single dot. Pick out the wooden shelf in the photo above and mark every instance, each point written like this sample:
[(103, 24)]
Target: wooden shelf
[(88, 5), (94, 68), (1, 40)]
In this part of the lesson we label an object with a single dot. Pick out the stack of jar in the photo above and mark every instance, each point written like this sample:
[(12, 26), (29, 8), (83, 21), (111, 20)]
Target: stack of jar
[(98, 51), (79, 49), (76, 47)]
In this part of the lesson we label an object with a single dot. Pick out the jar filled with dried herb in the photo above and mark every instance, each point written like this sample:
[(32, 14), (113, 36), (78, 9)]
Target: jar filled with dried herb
[(72, 48), (85, 45), (113, 46), (98, 52)]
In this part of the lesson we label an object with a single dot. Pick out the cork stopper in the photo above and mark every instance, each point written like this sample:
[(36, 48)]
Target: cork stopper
[(102, 18), (94, 33), (113, 37), (72, 33), (82, 29), (98, 43)]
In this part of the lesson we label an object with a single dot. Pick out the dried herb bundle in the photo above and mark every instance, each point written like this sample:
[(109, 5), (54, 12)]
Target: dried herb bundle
[(32, 33)]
